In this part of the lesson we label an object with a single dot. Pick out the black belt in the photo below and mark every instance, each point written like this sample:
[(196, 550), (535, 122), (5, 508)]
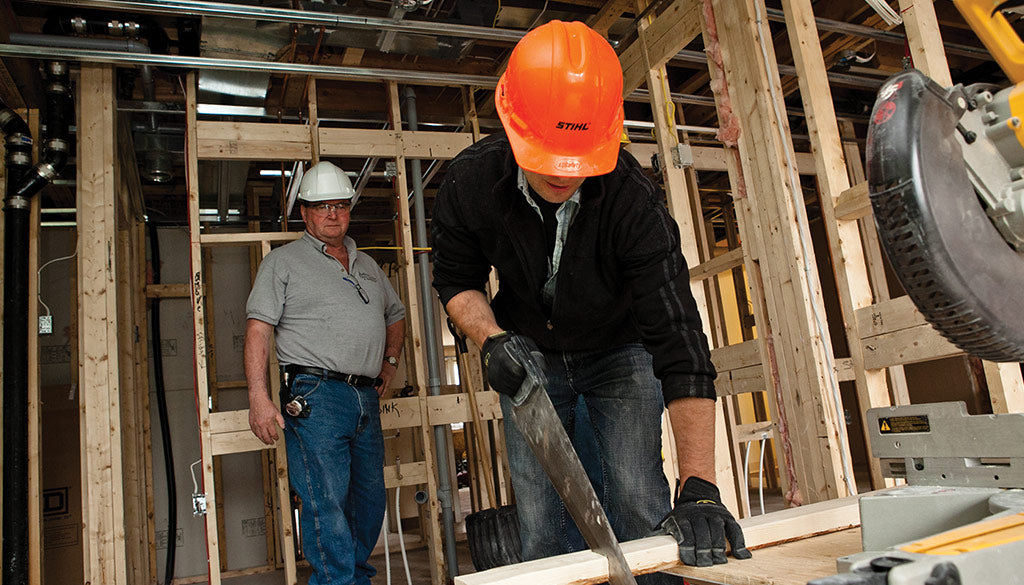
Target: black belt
[(293, 370)]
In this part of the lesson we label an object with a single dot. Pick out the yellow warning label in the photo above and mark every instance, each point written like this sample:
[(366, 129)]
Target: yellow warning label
[(904, 424)]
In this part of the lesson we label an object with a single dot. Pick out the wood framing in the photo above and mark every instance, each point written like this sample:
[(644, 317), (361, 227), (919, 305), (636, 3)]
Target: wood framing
[(210, 423), (773, 219), (850, 266), (103, 508), (416, 331)]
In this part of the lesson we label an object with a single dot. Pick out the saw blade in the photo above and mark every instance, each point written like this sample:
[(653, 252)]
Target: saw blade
[(536, 419)]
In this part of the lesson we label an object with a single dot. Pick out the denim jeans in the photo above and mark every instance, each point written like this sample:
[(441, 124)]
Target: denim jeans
[(625, 404), (335, 464)]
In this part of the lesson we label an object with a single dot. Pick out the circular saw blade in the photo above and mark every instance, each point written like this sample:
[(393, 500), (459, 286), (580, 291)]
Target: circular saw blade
[(956, 267)]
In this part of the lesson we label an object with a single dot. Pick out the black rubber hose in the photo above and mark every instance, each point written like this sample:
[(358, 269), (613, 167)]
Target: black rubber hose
[(161, 405)]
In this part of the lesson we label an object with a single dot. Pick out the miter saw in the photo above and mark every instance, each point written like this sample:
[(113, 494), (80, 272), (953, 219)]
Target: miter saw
[(945, 170), (960, 518)]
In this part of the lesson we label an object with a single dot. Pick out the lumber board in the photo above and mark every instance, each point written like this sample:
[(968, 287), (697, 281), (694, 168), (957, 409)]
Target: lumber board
[(889, 316), (424, 144), (252, 141), (660, 552), (736, 356), (906, 346), (103, 507), (415, 331), (853, 203), (844, 238), (773, 226), (244, 238), (168, 291), (405, 474), (675, 27), (718, 264)]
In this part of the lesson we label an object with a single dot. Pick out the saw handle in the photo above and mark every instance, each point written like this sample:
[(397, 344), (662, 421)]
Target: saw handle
[(996, 34), (534, 377)]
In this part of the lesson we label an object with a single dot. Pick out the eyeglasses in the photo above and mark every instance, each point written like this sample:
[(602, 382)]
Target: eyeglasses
[(327, 208), (359, 289)]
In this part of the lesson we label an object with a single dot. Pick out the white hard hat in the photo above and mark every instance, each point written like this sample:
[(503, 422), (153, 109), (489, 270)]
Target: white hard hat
[(325, 182)]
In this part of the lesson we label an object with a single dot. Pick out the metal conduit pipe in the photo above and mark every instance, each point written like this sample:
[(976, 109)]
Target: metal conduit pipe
[(23, 182), (291, 16), (870, 32), (318, 71), (444, 488)]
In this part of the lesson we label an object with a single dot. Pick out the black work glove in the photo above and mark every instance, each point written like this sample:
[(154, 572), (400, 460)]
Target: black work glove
[(701, 524), (505, 355)]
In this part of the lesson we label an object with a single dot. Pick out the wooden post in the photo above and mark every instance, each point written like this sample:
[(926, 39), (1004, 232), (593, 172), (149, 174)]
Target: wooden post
[(741, 218), (35, 476), (851, 273), (196, 288), (414, 328), (682, 208), (801, 368), (102, 488)]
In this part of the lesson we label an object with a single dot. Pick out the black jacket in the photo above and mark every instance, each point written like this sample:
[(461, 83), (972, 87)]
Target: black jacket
[(622, 276)]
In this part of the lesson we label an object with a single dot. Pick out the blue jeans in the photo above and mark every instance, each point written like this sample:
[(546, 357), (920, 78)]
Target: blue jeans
[(335, 464), (624, 401)]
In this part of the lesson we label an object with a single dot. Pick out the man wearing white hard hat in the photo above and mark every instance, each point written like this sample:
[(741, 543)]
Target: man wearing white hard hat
[(339, 329)]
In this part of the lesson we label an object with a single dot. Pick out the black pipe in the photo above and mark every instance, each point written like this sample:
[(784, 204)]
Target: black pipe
[(161, 405), (22, 183)]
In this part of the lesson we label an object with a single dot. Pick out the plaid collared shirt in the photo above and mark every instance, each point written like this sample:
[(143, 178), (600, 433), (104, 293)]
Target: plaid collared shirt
[(563, 220)]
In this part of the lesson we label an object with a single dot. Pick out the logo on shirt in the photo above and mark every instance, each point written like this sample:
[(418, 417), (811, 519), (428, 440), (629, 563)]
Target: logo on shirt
[(572, 126), (368, 277)]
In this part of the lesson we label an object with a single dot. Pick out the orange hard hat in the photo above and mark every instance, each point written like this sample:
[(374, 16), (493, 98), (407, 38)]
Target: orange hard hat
[(560, 101)]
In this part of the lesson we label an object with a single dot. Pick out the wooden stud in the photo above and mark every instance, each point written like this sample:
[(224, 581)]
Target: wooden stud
[(102, 491), (801, 341), (314, 122), (741, 217), (681, 205), (199, 330), (414, 328), (35, 482), (851, 274)]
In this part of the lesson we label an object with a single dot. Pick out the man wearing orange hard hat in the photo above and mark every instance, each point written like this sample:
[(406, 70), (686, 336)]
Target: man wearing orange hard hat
[(593, 282)]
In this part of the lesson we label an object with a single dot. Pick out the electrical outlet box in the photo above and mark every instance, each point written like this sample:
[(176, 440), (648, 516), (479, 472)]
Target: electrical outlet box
[(45, 324)]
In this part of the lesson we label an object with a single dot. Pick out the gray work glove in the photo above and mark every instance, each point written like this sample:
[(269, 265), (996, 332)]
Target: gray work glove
[(701, 525), (509, 359)]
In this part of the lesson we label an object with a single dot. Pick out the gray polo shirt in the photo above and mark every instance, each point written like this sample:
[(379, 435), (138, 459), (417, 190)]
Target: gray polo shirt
[(315, 305)]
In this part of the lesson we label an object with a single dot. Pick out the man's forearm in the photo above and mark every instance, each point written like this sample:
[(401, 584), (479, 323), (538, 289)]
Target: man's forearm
[(473, 315), (255, 354), (693, 426), (394, 339)]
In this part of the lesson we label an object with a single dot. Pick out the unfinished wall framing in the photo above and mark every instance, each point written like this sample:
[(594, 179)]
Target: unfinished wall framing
[(784, 359)]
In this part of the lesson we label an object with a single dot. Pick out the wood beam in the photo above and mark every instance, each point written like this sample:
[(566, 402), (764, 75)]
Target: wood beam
[(103, 506), (853, 282), (673, 29), (799, 335)]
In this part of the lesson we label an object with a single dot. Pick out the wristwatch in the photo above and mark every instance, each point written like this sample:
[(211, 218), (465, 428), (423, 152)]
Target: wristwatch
[(391, 360)]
